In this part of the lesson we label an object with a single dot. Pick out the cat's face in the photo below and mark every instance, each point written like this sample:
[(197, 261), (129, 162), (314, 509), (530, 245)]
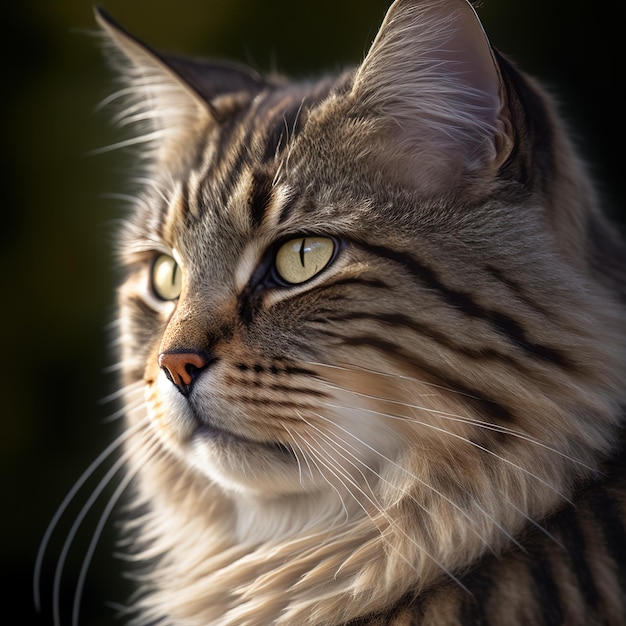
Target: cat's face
[(239, 313), (358, 282)]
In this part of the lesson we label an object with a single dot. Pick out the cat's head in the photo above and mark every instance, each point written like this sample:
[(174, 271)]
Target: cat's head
[(375, 286)]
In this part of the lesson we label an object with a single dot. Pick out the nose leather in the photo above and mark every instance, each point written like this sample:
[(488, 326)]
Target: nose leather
[(182, 368)]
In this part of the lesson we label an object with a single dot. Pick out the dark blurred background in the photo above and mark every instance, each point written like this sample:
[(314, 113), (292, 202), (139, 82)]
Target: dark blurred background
[(58, 225)]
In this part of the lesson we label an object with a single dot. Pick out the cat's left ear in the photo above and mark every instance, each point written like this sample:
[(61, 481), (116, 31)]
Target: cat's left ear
[(173, 95), (431, 77)]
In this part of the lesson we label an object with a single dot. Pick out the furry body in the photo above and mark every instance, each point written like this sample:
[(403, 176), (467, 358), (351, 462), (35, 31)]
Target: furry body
[(427, 427)]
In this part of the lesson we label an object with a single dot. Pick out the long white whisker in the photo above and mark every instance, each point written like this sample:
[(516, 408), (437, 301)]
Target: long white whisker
[(394, 375), (66, 502), (315, 454), (465, 514), (536, 524), (113, 500), (335, 443), (386, 517), (136, 387), (147, 138), (116, 367), (135, 401), (146, 181), (121, 93), (297, 445), (100, 487), (461, 438), (314, 459), (464, 420), (129, 409), (433, 489), (130, 199)]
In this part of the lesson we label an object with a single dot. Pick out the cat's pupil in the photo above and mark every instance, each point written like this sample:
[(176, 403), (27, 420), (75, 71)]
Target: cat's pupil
[(302, 252)]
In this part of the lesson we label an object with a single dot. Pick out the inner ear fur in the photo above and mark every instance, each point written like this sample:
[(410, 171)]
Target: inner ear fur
[(432, 81)]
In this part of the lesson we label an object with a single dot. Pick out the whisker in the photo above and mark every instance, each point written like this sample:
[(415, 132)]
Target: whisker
[(336, 443), (297, 445), (116, 367), (119, 94), (129, 409), (58, 573), (431, 488), (128, 198), (314, 459), (78, 485), (461, 438), (102, 484), (394, 375), (146, 181), (536, 524), (387, 518), (465, 514), (315, 454), (140, 139), (106, 513), (464, 420), (120, 393)]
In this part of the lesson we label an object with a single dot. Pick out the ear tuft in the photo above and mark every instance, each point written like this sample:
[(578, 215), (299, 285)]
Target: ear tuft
[(170, 98)]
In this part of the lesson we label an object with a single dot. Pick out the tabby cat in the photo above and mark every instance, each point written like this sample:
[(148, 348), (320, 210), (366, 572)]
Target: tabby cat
[(373, 348)]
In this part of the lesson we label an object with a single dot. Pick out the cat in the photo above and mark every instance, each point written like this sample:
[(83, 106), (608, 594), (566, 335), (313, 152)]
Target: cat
[(372, 342)]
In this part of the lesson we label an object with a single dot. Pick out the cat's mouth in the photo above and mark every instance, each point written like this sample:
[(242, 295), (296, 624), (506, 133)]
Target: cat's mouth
[(235, 462), (207, 432)]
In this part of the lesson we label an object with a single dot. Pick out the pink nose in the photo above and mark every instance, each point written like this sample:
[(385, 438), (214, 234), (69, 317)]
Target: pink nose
[(182, 368)]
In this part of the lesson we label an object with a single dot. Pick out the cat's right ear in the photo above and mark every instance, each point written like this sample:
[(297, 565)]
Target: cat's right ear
[(173, 96)]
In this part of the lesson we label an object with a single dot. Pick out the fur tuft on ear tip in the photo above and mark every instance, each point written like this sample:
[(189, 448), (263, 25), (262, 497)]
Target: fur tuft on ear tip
[(169, 96), (104, 18), (162, 108)]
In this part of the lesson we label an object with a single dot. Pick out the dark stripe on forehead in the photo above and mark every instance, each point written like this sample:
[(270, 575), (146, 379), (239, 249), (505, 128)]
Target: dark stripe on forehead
[(259, 127), (284, 113), (183, 207), (254, 137), (156, 213), (230, 129), (177, 214), (283, 128), (288, 209), (260, 195), (231, 167), (231, 150)]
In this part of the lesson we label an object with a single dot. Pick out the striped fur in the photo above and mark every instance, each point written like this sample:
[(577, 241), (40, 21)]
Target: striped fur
[(429, 430)]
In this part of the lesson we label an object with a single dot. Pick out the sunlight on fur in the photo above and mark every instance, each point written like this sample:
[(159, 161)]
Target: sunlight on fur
[(415, 418)]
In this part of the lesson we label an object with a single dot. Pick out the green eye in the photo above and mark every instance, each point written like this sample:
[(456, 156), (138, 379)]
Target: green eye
[(300, 259), (167, 277)]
